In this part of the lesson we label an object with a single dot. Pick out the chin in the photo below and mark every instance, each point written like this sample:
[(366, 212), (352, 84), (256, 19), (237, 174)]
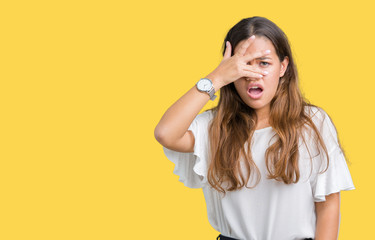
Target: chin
[(257, 104)]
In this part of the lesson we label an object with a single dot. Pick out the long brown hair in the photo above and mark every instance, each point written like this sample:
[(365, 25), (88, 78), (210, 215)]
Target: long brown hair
[(232, 115)]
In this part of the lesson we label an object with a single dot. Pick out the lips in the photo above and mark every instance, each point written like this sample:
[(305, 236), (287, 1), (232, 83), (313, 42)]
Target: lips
[(254, 85), (255, 93)]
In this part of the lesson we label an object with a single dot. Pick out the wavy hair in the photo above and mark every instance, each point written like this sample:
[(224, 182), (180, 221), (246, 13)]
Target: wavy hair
[(287, 117)]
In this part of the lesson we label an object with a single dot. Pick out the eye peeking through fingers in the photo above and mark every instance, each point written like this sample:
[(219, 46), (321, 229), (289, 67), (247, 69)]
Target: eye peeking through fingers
[(265, 64)]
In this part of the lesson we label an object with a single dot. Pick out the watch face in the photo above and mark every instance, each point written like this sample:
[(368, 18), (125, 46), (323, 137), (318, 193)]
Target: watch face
[(204, 85)]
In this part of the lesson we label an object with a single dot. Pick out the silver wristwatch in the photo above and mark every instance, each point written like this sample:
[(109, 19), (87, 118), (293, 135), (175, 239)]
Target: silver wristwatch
[(205, 85)]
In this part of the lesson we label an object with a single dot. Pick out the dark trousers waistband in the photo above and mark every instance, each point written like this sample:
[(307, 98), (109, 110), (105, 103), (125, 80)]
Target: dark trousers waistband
[(221, 237)]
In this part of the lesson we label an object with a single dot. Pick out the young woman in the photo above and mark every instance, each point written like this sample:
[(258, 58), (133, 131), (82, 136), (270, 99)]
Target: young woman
[(270, 164)]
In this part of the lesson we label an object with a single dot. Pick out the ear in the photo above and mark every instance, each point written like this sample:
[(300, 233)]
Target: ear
[(284, 65)]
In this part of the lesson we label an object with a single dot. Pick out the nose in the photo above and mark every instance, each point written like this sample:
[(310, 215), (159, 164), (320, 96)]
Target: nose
[(252, 78)]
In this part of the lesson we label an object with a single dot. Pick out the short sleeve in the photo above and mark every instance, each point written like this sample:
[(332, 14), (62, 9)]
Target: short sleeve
[(192, 167), (337, 177)]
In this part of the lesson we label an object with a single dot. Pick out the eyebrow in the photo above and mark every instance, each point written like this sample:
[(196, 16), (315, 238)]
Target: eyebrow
[(263, 58)]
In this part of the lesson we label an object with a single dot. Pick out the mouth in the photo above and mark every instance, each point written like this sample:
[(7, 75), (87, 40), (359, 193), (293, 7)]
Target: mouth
[(255, 91)]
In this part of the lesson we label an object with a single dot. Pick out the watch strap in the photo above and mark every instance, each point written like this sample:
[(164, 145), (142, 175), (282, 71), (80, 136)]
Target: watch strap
[(211, 92)]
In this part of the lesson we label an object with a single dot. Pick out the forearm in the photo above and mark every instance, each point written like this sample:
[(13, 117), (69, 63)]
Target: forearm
[(177, 119)]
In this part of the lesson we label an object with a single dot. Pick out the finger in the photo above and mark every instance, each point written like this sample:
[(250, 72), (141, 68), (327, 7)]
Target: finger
[(228, 50), (256, 71), (248, 57), (251, 73), (245, 45)]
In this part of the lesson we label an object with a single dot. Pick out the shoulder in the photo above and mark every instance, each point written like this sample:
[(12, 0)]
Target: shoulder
[(324, 124), (318, 115), (315, 112), (205, 117), (201, 122)]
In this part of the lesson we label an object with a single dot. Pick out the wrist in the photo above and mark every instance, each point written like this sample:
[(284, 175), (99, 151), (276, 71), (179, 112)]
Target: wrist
[(216, 81)]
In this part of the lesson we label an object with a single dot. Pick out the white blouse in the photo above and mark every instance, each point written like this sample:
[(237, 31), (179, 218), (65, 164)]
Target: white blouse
[(271, 210)]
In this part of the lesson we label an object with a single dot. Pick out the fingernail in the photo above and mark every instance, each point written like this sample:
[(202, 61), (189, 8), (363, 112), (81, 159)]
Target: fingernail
[(252, 37), (265, 72)]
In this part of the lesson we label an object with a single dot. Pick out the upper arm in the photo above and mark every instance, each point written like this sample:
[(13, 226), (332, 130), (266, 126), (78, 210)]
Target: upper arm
[(328, 217), (332, 202), (184, 144)]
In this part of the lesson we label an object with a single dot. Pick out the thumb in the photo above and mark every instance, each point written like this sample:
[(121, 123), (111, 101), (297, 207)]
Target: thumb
[(228, 50)]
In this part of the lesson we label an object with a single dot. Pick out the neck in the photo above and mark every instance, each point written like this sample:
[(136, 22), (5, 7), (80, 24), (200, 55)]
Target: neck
[(263, 118)]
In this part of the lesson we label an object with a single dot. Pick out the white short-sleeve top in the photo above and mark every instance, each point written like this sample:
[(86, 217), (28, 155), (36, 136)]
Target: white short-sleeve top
[(271, 210)]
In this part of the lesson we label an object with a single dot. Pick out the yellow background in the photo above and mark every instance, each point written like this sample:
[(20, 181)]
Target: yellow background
[(84, 83)]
